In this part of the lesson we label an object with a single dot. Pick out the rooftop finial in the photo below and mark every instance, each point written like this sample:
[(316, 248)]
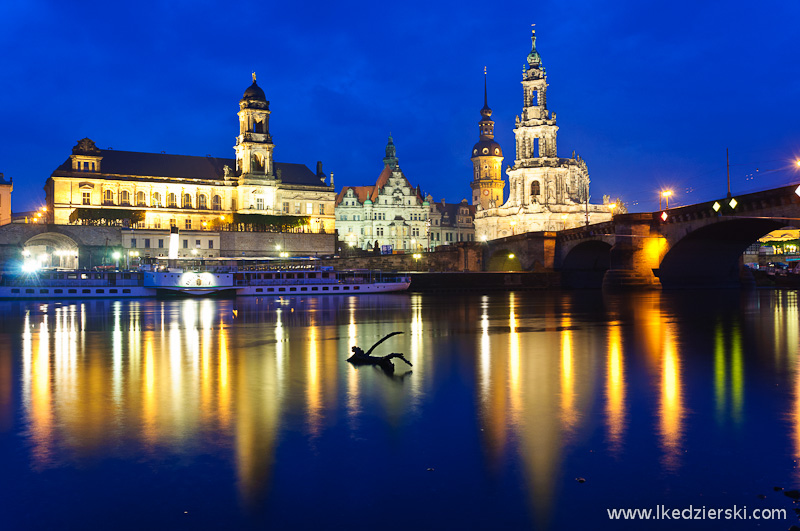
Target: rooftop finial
[(534, 59), (254, 77), (485, 93)]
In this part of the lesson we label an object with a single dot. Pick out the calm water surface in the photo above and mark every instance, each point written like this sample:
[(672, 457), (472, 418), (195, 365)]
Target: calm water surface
[(217, 414)]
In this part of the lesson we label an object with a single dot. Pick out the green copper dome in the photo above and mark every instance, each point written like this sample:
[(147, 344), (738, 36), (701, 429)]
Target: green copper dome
[(534, 59)]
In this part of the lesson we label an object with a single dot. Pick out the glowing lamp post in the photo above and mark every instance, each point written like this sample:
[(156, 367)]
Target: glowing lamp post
[(665, 194)]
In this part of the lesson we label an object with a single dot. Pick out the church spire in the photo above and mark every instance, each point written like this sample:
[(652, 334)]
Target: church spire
[(534, 59), (485, 92), (391, 154)]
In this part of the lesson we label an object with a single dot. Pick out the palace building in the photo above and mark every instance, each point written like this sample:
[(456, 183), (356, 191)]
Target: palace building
[(190, 192), (546, 192), (393, 214)]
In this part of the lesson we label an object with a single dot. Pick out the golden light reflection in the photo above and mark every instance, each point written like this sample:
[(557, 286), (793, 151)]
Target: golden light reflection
[(568, 414), (313, 390), (353, 405), (615, 390), (514, 383), (41, 402), (671, 409)]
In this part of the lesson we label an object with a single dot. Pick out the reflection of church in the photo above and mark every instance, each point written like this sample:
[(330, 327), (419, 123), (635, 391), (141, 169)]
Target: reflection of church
[(545, 192)]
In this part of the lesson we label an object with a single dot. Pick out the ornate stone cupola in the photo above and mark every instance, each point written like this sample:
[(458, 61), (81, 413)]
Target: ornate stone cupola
[(391, 154), (254, 144), (86, 156), (487, 160)]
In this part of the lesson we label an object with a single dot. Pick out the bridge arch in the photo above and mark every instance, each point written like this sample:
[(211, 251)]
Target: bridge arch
[(710, 255), (504, 260), (52, 249), (585, 265)]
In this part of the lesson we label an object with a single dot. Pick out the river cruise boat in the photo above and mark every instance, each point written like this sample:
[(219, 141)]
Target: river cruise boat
[(220, 280), (73, 284), (256, 281)]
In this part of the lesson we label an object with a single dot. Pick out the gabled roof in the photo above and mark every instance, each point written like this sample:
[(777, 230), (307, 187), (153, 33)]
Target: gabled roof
[(362, 193), (139, 164)]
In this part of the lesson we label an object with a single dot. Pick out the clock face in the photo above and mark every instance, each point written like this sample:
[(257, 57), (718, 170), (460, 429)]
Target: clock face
[(486, 192)]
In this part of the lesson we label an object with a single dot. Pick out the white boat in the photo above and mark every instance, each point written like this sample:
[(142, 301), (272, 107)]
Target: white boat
[(79, 284), (73, 284), (257, 282)]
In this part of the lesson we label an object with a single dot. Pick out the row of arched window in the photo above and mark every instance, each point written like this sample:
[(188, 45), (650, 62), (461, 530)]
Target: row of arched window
[(172, 200)]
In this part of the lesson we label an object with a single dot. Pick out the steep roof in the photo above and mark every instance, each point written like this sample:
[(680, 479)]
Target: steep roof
[(139, 164), (362, 193)]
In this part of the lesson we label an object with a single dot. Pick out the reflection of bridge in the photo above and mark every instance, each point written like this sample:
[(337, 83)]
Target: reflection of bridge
[(698, 245)]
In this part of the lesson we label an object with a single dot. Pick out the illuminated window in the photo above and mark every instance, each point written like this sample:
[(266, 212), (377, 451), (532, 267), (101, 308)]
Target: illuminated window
[(173, 222), (125, 197), (216, 202), (187, 224), (201, 201), (535, 188), (259, 203), (108, 197), (296, 207), (140, 198), (233, 204), (187, 201), (285, 207), (87, 198), (157, 199), (309, 208), (157, 223), (172, 200), (321, 209)]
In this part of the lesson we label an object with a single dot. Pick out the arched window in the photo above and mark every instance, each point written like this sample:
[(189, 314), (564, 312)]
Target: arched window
[(535, 188), (216, 202), (172, 200), (187, 201), (108, 197), (157, 199), (125, 197), (201, 201), (140, 199)]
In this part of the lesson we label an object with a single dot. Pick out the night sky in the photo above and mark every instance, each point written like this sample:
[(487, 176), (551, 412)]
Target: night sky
[(649, 93)]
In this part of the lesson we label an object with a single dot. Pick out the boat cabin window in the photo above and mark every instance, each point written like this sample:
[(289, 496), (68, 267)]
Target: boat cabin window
[(72, 291), (289, 275), (326, 275), (312, 275)]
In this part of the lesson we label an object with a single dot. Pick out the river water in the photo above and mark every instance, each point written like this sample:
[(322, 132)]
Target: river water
[(524, 410)]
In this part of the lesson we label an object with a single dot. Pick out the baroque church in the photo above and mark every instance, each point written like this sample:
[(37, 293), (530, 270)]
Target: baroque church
[(190, 192), (546, 192)]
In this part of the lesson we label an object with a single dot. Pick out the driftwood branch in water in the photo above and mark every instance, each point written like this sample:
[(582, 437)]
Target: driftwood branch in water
[(360, 357)]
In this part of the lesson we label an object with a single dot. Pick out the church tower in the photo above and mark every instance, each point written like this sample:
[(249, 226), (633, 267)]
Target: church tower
[(487, 161), (254, 144), (531, 181)]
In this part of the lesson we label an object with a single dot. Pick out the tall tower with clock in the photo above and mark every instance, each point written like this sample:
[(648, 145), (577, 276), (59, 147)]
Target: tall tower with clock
[(487, 161)]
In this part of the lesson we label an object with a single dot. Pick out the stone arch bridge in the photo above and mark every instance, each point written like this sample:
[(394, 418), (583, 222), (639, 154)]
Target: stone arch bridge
[(698, 245)]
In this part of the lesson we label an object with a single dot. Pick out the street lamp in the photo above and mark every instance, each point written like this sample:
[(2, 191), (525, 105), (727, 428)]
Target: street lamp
[(512, 223), (665, 194)]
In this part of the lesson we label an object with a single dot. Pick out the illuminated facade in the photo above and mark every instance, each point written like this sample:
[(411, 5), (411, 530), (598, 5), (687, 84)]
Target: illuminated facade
[(193, 192), (6, 187), (390, 212), (487, 162), (394, 213), (546, 192)]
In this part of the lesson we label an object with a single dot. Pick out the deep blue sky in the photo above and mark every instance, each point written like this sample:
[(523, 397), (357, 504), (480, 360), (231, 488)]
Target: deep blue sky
[(649, 93)]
